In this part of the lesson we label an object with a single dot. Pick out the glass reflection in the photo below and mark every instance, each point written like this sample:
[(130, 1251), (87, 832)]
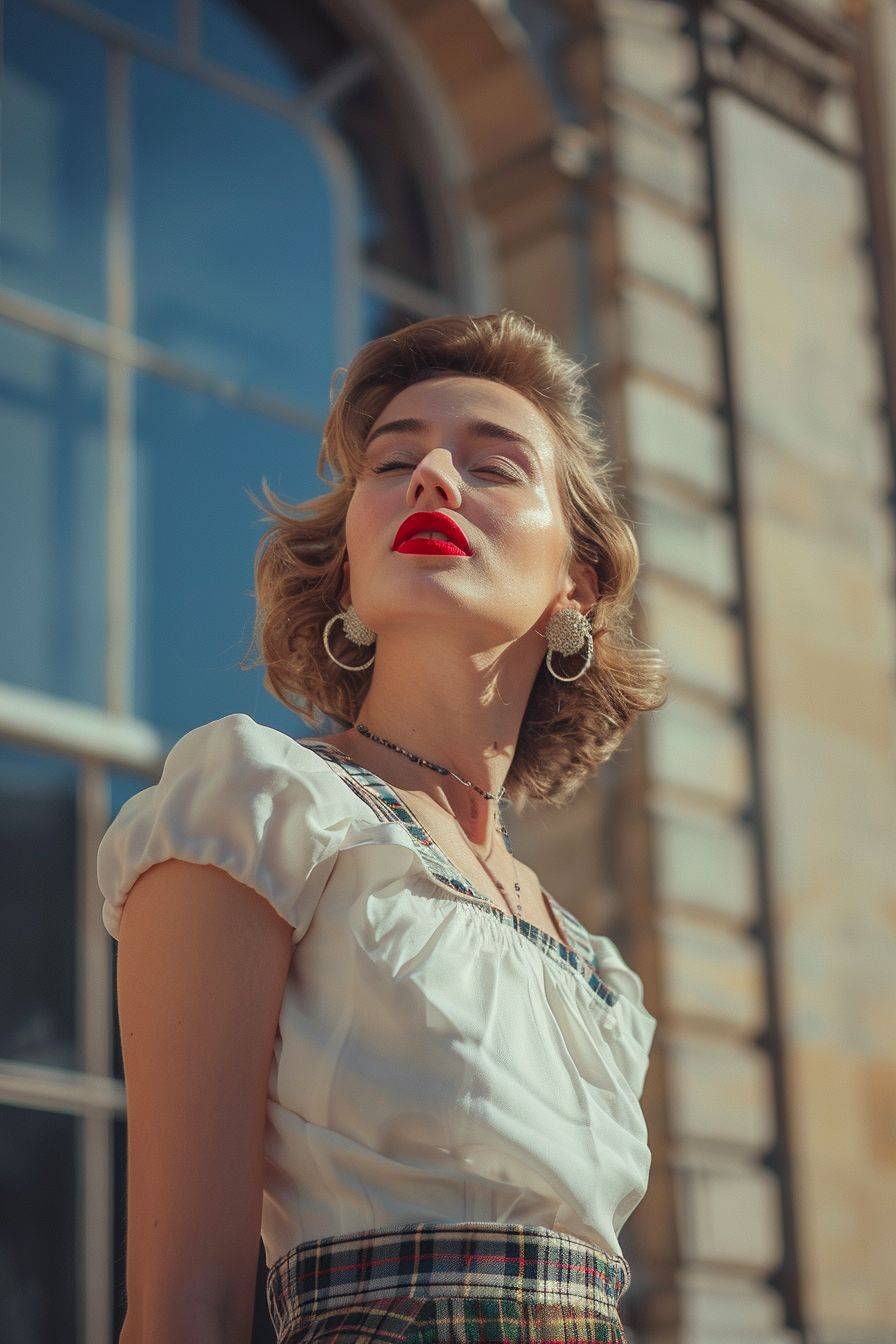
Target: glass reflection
[(234, 245), (379, 316), (53, 160), (231, 38), (196, 533), (157, 18), (52, 516), (396, 232), (268, 44), (37, 910), (37, 1246)]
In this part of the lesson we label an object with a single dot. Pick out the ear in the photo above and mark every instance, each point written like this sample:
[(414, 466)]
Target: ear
[(582, 586)]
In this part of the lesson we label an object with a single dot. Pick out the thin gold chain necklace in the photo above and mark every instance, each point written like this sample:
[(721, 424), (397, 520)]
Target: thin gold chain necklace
[(444, 770)]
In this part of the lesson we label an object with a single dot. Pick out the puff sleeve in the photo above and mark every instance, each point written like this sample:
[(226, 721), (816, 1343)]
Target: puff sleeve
[(239, 795), (637, 1025)]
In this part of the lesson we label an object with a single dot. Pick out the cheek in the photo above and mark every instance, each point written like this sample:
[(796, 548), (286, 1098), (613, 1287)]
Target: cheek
[(351, 529), (356, 515), (366, 518), (533, 533)]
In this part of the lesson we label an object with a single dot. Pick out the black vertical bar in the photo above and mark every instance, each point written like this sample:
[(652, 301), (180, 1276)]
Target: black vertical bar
[(880, 234), (786, 1278)]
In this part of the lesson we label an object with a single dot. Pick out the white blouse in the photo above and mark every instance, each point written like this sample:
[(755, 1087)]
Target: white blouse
[(437, 1058)]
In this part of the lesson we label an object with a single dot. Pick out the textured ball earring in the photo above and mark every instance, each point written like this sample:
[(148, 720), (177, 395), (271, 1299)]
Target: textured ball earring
[(355, 630), (568, 630)]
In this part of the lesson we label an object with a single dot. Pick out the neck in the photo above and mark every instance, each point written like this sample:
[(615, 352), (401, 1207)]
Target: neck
[(478, 816), (466, 719), (457, 707)]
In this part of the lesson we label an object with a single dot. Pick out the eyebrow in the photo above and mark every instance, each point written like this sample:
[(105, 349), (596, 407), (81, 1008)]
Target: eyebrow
[(477, 429)]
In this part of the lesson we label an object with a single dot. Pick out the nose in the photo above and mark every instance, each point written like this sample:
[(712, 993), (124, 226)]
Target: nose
[(435, 477)]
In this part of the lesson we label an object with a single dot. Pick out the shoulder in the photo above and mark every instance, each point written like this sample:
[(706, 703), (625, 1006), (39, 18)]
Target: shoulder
[(236, 739), (233, 770), (244, 797)]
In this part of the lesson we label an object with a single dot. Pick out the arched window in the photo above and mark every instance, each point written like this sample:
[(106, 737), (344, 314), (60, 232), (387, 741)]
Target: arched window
[(205, 213), (207, 208)]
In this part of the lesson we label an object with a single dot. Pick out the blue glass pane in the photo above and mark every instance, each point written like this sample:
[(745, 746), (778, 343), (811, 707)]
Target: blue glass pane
[(39, 1181), (158, 18), (550, 32), (52, 516), (53, 129), (394, 229), (38, 859), (380, 316), (197, 531), (234, 239), (286, 47), (230, 37)]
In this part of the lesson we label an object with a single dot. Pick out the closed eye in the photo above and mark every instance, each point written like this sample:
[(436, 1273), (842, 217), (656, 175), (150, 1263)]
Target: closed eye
[(496, 471)]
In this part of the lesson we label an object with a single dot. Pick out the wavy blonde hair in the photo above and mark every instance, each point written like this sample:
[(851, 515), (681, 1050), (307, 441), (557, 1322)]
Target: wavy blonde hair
[(569, 728)]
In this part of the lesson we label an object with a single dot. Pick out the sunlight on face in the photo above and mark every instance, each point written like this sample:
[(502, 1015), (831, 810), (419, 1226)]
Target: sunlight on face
[(480, 452)]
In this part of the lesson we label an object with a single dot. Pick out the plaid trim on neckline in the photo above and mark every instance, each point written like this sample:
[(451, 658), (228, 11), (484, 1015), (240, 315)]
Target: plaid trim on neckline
[(580, 958)]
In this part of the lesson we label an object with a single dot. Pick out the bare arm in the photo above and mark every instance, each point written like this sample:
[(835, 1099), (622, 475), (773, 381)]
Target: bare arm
[(202, 965)]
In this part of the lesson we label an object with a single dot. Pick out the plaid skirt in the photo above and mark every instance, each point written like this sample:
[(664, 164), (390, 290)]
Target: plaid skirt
[(448, 1283)]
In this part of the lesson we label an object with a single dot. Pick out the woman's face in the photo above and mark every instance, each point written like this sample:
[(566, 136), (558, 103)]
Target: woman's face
[(498, 484)]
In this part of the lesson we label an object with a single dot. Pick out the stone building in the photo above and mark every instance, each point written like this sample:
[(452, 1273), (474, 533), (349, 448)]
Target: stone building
[(207, 207)]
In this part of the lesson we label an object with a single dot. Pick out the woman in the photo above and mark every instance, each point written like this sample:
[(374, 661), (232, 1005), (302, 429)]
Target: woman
[(408, 1065)]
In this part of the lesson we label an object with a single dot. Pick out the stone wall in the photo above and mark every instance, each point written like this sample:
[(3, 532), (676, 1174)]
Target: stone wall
[(743, 848)]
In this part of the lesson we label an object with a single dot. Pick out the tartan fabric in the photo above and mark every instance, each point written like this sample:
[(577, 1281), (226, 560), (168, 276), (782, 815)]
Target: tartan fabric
[(448, 1283)]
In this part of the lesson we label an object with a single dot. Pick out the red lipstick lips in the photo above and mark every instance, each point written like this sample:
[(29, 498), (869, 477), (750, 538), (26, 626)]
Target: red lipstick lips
[(452, 541)]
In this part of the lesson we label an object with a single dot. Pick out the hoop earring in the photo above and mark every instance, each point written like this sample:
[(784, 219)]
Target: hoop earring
[(354, 629), (568, 630)]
